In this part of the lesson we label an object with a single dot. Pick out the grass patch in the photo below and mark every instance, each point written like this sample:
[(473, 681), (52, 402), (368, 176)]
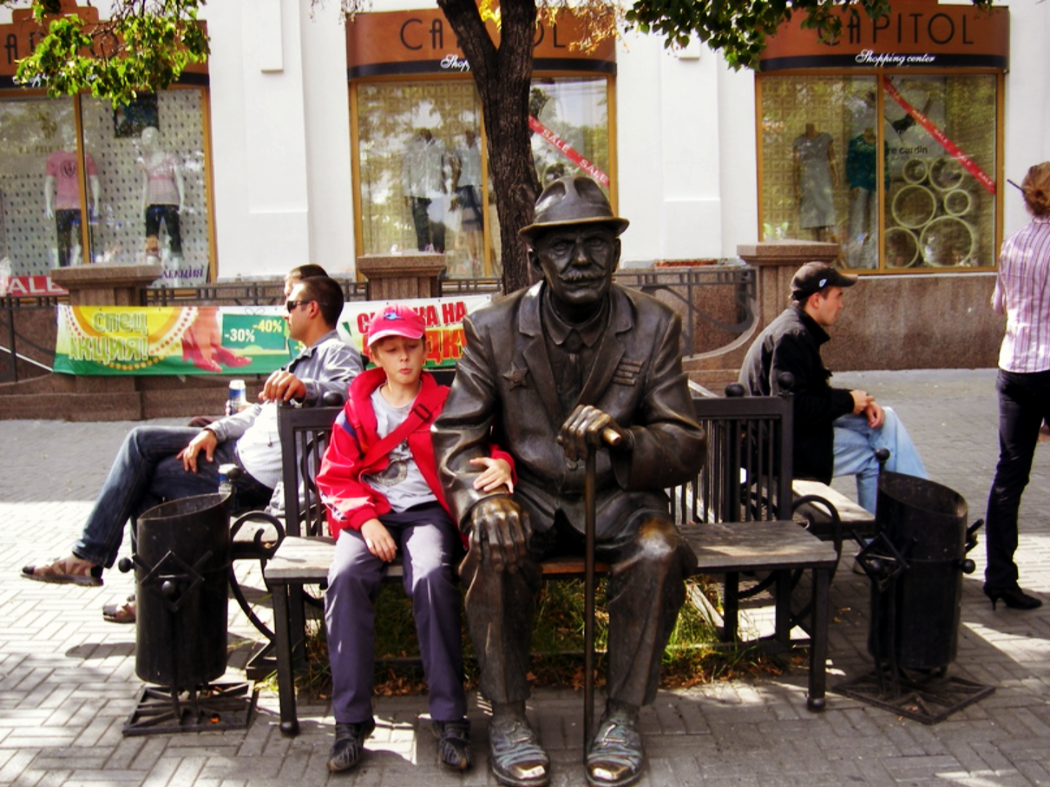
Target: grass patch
[(694, 655)]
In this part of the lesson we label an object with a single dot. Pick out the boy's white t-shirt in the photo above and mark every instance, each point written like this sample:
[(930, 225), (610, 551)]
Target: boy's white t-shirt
[(401, 482)]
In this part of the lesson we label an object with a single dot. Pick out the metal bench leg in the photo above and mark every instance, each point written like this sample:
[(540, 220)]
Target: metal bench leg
[(783, 610), (731, 607), (297, 625), (285, 668), (818, 648)]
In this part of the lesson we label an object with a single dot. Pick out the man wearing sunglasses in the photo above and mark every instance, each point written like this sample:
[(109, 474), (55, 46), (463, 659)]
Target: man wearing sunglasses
[(158, 463)]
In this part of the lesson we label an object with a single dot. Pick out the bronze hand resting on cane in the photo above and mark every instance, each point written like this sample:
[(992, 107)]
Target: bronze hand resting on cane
[(574, 365)]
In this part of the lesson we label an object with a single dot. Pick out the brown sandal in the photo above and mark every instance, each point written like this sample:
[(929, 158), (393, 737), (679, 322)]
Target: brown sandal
[(120, 613), (61, 572)]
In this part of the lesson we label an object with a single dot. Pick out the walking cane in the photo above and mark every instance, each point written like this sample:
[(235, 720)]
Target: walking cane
[(590, 483)]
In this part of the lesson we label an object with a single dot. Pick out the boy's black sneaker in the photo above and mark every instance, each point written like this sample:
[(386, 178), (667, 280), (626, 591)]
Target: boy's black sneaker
[(453, 744), (349, 745)]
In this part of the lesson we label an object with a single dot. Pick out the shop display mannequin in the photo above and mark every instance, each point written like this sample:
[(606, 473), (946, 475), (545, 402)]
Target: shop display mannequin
[(861, 173), (423, 181), (62, 196), (466, 188), (163, 192), (815, 177), (907, 120)]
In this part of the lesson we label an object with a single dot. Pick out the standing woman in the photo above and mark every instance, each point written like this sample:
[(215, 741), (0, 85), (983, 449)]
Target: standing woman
[(1022, 292)]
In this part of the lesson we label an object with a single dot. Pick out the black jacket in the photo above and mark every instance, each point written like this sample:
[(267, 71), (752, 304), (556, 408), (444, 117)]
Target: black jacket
[(791, 343)]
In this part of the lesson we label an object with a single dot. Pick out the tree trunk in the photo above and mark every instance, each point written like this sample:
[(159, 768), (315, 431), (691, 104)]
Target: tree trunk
[(503, 76)]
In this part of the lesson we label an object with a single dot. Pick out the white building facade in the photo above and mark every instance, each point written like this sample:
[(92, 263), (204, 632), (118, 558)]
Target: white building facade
[(284, 154)]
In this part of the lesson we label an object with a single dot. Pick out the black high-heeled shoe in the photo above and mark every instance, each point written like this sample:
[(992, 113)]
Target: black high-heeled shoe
[(1014, 598)]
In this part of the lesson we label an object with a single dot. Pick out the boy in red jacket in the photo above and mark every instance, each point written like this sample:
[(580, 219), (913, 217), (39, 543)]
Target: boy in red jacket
[(380, 485)]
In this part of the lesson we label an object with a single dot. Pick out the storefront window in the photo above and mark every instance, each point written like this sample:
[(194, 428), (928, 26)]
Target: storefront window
[(422, 171), (41, 223), (824, 147), (577, 112), (940, 209), (120, 186)]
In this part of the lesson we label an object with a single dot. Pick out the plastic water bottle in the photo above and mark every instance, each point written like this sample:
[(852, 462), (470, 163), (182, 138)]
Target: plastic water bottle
[(238, 399)]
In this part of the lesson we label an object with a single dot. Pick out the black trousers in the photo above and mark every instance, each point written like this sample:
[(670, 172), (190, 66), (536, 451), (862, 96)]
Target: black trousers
[(647, 569), (1024, 402), (169, 216), (67, 222), (428, 233)]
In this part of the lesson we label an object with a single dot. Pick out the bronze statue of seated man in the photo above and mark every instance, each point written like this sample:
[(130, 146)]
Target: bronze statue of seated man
[(572, 364)]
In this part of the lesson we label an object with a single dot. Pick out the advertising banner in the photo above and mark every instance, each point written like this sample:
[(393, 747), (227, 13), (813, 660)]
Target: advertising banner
[(242, 340)]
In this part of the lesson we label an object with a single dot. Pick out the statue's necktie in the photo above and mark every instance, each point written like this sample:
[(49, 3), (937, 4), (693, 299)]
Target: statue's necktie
[(573, 382)]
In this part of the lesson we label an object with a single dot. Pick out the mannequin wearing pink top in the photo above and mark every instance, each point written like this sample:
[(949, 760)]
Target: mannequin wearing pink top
[(163, 191), (62, 196)]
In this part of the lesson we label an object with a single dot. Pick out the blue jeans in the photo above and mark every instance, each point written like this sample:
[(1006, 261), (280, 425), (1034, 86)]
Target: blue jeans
[(855, 447), (147, 472), (1024, 402), (427, 542)]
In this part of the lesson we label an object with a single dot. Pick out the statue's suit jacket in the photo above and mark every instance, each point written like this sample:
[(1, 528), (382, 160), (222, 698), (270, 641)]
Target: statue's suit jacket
[(504, 392)]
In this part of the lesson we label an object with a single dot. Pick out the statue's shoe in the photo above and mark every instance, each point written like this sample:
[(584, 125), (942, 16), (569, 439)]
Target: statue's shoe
[(517, 758), (615, 758)]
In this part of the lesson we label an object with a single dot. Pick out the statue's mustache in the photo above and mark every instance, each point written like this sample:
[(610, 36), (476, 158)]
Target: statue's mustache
[(578, 276)]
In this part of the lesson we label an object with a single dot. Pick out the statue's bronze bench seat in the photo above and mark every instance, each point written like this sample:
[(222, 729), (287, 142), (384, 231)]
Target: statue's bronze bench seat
[(722, 549)]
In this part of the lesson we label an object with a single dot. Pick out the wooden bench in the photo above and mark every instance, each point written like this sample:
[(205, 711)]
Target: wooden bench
[(821, 514), (743, 528), (827, 513), (781, 547)]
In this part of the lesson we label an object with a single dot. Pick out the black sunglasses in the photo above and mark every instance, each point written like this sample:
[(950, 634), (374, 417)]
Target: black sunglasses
[(293, 305)]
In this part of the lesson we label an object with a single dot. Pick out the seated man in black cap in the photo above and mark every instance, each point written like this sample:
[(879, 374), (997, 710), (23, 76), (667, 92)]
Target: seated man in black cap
[(572, 364), (836, 431)]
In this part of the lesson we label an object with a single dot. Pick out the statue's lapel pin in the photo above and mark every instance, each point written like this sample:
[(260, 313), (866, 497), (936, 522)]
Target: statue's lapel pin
[(516, 376)]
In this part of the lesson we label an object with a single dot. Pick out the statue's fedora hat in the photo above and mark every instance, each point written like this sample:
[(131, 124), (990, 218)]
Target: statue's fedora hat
[(572, 200)]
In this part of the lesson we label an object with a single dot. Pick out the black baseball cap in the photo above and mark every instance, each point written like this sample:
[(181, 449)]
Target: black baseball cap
[(814, 277)]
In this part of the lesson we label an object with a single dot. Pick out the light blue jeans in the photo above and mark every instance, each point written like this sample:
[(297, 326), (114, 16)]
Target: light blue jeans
[(855, 447), (145, 473)]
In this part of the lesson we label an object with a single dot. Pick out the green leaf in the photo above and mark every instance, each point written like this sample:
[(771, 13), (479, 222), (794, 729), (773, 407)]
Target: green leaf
[(145, 46)]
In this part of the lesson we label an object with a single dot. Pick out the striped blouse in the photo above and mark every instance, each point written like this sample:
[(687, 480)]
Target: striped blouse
[(1022, 291)]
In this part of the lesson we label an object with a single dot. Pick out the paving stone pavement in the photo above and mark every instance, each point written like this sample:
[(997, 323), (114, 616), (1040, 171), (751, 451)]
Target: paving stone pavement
[(68, 683)]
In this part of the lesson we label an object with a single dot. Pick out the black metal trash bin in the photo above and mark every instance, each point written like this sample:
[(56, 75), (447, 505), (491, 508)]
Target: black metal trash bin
[(916, 618), (182, 563)]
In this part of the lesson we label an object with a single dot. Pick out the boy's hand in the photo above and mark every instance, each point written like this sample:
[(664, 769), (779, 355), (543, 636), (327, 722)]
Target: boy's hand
[(378, 540), (496, 474)]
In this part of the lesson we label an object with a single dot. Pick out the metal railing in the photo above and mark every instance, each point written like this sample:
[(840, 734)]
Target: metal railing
[(237, 293), (18, 343), (684, 289)]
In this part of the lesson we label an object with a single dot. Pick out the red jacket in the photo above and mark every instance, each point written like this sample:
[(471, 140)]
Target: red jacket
[(350, 501)]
